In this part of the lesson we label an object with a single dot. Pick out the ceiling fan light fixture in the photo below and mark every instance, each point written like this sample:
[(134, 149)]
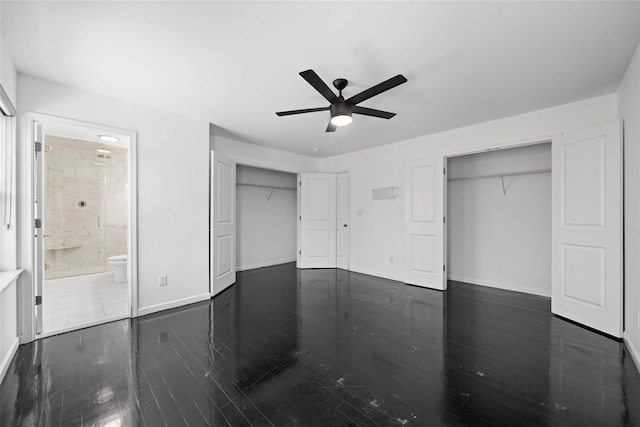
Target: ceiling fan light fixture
[(341, 114), (341, 120)]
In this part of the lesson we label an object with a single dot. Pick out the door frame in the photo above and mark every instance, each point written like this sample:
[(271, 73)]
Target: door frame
[(26, 230), (349, 222), (275, 169)]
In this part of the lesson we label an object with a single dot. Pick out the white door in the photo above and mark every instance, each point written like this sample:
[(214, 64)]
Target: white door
[(38, 199), (342, 220), (424, 224), (586, 268), (317, 220), (223, 223)]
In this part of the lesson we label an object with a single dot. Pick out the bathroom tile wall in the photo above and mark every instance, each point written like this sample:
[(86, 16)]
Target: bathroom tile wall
[(85, 206)]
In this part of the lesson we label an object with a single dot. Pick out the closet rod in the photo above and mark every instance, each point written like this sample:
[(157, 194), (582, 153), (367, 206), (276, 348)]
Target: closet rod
[(265, 186), (501, 175)]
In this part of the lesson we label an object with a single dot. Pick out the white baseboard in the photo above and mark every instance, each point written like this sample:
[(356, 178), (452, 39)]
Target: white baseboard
[(6, 361), (83, 326), (498, 285), (172, 304), (377, 274), (265, 264), (635, 354)]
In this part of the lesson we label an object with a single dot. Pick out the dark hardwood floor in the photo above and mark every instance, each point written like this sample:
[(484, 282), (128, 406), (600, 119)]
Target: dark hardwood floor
[(286, 347)]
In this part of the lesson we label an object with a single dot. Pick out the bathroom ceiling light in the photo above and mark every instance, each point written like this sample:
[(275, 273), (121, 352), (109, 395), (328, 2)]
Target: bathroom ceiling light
[(103, 151), (109, 138), (316, 149)]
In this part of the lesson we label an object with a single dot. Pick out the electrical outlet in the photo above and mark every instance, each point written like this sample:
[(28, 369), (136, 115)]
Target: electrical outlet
[(162, 280), (391, 259)]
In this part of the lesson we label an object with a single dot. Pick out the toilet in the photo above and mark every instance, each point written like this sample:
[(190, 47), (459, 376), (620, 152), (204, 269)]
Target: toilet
[(119, 262)]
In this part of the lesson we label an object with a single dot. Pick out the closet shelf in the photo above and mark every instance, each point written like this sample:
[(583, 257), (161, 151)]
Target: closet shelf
[(502, 175), (265, 186)]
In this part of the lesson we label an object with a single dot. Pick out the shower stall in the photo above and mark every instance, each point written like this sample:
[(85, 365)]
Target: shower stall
[(85, 206)]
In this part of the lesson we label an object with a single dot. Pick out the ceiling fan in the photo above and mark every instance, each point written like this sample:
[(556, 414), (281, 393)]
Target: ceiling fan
[(341, 109)]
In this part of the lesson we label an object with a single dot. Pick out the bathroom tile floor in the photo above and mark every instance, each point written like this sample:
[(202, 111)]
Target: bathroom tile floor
[(75, 302)]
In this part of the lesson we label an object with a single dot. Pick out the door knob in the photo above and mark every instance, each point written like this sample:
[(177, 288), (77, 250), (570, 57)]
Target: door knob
[(344, 225)]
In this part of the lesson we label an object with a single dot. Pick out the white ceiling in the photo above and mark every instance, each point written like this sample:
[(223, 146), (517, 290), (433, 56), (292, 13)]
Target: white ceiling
[(234, 64)]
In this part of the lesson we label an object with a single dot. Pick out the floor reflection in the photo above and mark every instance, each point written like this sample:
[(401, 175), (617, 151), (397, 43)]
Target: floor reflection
[(497, 357), (328, 347), (379, 348)]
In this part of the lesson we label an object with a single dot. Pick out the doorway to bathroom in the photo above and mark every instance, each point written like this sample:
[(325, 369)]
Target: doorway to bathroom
[(82, 192)]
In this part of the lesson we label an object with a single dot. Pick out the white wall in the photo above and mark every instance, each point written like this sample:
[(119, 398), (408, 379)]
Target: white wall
[(8, 237), (265, 218), (173, 187), (262, 157), (377, 233), (8, 321), (629, 111), (497, 239), (8, 74)]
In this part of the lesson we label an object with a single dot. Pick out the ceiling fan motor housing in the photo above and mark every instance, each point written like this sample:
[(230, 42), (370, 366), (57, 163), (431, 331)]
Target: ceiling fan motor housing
[(341, 108)]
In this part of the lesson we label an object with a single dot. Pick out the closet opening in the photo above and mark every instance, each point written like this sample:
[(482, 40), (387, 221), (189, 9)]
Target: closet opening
[(266, 223), (498, 218)]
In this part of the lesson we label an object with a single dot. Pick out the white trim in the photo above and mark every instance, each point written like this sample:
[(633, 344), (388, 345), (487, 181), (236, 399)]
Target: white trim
[(182, 311), (635, 354), (259, 165), (500, 285), (377, 274), (212, 160), (9, 357), (132, 237), (500, 146), (26, 247), (347, 171), (265, 264), (143, 311)]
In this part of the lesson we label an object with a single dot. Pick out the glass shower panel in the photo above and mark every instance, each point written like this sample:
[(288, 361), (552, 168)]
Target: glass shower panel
[(74, 203), (116, 201)]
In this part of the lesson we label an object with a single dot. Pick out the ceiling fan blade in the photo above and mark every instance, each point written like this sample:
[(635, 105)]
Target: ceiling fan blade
[(331, 127), (306, 110), (314, 80), (377, 89), (373, 113)]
